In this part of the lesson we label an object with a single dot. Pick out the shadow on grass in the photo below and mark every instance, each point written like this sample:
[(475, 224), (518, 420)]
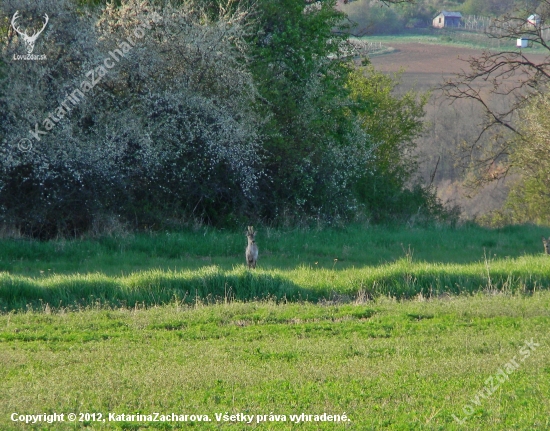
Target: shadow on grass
[(150, 288), (401, 280), (444, 285), (335, 249)]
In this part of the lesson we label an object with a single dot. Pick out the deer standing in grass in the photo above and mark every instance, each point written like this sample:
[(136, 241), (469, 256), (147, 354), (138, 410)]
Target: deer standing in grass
[(546, 243), (251, 249)]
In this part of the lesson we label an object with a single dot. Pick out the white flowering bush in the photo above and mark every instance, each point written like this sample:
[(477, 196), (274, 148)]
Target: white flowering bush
[(336, 152), (42, 183), (222, 111), (163, 117)]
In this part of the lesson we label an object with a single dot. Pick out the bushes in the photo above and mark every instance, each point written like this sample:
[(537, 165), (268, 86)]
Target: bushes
[(492, 7), (529, 196), (387, 188), (198, 112), (146, 140), (373, 17), (315, 149)]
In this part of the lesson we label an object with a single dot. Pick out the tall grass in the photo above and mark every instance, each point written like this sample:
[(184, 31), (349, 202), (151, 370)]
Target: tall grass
[(294, 265), (387, 364)]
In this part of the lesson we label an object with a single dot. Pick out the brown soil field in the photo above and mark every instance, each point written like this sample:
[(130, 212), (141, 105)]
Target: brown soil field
[(420, 58), (427, 64)]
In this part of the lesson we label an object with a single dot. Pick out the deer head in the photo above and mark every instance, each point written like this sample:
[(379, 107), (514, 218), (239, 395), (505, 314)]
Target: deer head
[(29, 40), (251, 235)]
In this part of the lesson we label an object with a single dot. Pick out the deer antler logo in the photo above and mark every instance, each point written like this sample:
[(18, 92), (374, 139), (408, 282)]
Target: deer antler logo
[(29, 40)]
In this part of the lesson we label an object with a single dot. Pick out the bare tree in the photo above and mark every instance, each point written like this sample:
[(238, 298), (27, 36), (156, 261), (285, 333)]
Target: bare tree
[(503, 83)]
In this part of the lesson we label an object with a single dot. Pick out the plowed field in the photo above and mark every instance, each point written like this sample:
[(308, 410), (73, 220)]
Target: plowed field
[(424, 58), (427, 64)]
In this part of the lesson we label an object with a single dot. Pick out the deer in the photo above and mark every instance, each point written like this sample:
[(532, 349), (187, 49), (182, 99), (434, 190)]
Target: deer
[(251, 249), (29, 40), (546, 244)]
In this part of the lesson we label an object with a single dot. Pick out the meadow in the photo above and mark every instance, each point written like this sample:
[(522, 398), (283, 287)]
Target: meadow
[(452, 37), (388, 328)]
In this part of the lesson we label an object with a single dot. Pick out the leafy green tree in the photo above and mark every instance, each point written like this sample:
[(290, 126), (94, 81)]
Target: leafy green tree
[(416, 14), (392, 121), (388, 187), (300, 78), (529, 197), (473, 7), (375, 18)]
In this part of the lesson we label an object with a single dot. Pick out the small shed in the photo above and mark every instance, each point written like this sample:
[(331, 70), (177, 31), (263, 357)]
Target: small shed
[(534, 20), (447, 19), (522, 43)]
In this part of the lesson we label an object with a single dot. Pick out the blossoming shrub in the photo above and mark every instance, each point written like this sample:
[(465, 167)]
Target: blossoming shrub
[(141, 111), (223, 112)]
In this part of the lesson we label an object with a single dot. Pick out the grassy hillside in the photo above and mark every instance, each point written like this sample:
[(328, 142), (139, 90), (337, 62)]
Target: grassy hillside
[(173, 323), (208, 265)]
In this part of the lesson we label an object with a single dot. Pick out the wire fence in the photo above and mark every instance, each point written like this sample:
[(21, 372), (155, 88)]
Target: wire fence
[(486, 32), (473, 29), (486, 25), (361, 47), (476, 23)]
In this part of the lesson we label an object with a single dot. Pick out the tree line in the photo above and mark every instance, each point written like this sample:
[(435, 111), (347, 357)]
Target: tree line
[(371, 17), (512, 88), (157, 114)]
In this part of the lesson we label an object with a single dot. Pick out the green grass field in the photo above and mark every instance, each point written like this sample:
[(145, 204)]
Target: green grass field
[(398, 329), (452, 38)]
